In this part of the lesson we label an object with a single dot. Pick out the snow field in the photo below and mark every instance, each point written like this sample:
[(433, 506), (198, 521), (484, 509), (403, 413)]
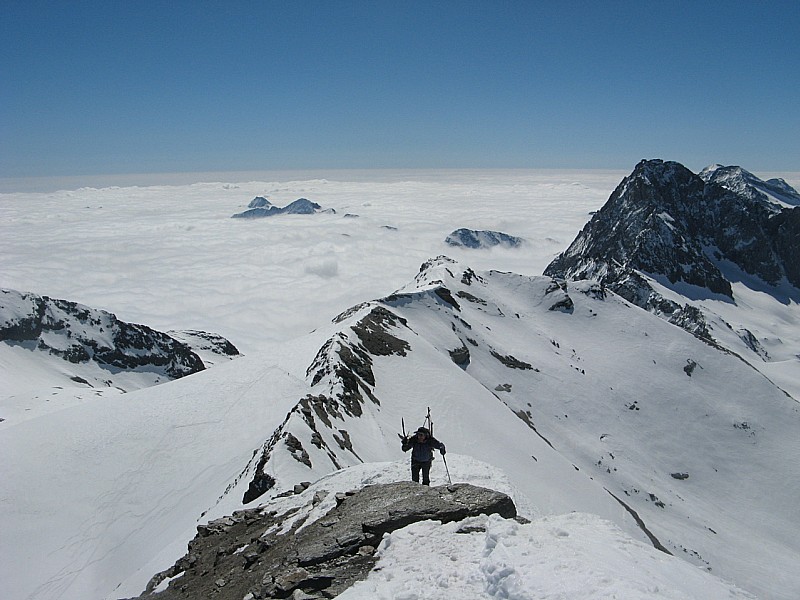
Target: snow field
[(565, 557)]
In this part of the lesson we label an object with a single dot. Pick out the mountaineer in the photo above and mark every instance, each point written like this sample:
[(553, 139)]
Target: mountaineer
[(422, 445)]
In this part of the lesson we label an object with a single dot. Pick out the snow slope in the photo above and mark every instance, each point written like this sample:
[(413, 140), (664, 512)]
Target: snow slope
[(621, 422), (92, 493)]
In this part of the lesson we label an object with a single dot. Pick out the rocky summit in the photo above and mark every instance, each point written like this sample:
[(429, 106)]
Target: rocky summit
[(696, 234), (272, 552)]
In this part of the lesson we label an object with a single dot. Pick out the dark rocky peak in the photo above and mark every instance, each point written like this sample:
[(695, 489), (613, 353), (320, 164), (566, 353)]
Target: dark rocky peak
[(301, 206), (683, 230), (664, 220), (261, 207), (281, 550), (658, 189), (663, 174), (471, 238), (776, 193), (653, 223), (259, 202)]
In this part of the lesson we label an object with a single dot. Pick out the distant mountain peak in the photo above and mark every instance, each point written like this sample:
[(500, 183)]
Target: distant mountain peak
[(776, 192), (261, 207), (259, 202)]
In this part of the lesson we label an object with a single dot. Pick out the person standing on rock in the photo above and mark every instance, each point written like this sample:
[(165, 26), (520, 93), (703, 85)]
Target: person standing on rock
[(422, 445)]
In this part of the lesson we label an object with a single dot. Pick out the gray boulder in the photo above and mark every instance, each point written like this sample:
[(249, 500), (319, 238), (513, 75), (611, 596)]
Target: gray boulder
[(244, 555)]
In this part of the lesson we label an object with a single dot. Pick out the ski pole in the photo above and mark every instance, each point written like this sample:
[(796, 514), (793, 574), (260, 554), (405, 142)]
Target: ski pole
[(450, 481)]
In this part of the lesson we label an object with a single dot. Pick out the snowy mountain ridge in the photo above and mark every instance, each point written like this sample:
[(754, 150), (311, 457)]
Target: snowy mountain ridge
[(741, 181), (72, 345), (586, 402), (516, 367)]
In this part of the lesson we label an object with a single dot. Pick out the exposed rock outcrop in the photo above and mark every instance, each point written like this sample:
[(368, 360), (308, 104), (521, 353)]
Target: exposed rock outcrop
[(261, 207), (265, 553), (471, 238), (679, 228), (79, 334), (343, 366)]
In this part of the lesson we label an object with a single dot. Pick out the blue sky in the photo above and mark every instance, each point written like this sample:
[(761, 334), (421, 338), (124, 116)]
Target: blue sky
[(146, 87)]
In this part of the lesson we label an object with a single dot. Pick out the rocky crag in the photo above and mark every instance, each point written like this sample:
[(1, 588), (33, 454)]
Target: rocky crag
[(695, 234), (302, 552)]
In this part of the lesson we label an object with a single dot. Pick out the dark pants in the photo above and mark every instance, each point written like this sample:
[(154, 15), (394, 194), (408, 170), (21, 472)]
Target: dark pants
[(425, 467)]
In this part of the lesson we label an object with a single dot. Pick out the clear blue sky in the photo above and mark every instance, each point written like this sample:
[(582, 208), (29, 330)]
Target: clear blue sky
[(144, 86)]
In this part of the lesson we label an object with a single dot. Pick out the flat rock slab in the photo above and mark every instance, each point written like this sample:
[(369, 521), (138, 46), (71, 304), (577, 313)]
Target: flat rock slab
[(244, 555)]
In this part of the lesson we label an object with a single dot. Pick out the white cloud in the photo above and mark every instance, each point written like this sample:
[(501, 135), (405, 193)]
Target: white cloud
[(323, 267)]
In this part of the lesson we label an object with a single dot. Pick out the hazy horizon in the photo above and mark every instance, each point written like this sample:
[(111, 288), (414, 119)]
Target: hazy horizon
[(50, 184)]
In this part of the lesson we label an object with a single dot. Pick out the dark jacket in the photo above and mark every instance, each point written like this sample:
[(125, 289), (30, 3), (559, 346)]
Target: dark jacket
[(422, 451)]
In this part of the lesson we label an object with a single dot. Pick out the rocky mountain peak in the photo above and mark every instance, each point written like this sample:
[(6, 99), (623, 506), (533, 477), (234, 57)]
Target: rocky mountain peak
[(651, 223), (471, 238), (661, 172), (776, 193), (261, 207), (669, 224)]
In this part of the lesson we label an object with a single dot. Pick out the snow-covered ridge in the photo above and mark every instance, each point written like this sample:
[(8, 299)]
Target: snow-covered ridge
[(90, 348), (736, 179), (574, 404), (653, 440), (587, 404)]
